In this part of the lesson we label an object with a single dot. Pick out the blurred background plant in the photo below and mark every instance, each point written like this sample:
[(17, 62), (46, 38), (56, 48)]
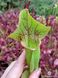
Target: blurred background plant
[(41, 7), (10, 4)]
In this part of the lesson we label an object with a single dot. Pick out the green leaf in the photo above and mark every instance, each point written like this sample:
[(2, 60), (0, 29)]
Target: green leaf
[(34, 64), (28, 56), (36, 58), (3, 4), (29, 30), (25, 74), (15, 35)]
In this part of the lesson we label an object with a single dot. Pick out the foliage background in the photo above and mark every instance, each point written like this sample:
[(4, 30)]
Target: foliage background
[(41, 7)]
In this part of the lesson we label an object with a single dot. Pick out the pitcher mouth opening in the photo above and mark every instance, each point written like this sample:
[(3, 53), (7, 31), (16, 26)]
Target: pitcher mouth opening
[(22, 43)]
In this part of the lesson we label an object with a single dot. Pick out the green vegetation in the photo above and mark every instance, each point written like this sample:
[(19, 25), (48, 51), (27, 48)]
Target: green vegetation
[(41, 7)]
